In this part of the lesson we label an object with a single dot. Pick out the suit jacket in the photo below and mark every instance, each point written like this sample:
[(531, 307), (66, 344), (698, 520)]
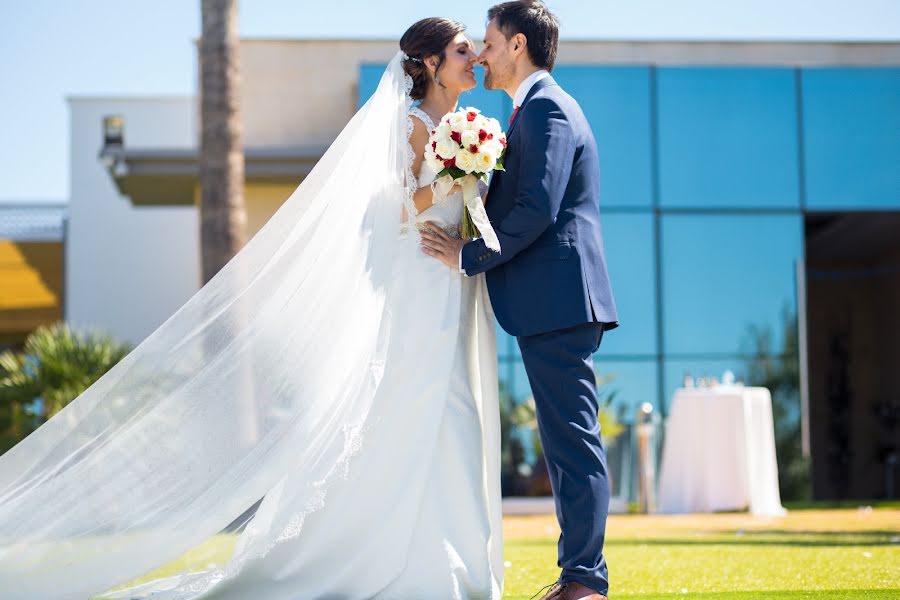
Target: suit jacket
[(551, 271)]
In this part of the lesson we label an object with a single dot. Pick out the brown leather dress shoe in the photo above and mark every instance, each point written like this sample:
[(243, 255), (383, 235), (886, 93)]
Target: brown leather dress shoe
[(575, 591), (552, 592)]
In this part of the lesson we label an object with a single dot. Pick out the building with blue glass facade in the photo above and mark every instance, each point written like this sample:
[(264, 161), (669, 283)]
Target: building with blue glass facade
[(750, 204)]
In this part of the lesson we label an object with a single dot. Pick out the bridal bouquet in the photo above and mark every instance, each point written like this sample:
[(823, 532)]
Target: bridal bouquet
[(465, 147)]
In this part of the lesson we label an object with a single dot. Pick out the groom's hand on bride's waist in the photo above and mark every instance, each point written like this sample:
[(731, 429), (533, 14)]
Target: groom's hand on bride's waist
[(438, 244)]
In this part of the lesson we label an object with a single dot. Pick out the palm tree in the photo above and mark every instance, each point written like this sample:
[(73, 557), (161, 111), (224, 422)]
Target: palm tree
[(223, 218), (55, 366)]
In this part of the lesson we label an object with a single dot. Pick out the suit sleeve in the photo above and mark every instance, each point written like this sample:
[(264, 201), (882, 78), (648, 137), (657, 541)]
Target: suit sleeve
[(547, 144)]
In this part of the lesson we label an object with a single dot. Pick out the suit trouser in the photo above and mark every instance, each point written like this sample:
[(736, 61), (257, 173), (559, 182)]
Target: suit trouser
[(560, 370)]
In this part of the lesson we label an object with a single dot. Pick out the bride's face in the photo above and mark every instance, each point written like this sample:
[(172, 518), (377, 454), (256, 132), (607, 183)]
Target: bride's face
[(458, 71)]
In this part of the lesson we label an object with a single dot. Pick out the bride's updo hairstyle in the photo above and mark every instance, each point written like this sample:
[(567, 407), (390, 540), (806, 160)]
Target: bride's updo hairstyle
[(428, 37)]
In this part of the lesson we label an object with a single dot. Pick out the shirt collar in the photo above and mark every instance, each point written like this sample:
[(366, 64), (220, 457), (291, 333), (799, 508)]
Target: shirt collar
[(527, 84)]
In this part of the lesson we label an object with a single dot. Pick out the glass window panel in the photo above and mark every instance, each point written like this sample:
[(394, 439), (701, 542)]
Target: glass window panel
[(723, 275), (519, 387), (675, 371), (727, 137), (744, 369), (506, 344), (369, 76), (628, 241), (616, 102), (627, 385), (851, 123)]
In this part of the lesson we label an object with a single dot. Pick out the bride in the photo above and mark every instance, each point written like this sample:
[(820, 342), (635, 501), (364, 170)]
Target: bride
[(319, 421)]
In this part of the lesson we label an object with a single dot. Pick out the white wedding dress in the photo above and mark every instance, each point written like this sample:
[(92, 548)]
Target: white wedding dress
[(331, 374), (419, 516)]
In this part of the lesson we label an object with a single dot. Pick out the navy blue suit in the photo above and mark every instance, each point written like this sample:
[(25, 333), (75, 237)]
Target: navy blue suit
[(549, 287)]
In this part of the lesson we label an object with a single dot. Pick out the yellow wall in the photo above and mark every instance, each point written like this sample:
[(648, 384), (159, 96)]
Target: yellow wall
[(31, 280), (261, 201)]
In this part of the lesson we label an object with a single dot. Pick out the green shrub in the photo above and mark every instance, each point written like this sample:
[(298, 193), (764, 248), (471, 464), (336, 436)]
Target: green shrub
[(56, 365)]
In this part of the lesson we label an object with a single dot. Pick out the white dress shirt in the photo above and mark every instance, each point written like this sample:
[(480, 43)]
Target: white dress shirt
[(518, 99)]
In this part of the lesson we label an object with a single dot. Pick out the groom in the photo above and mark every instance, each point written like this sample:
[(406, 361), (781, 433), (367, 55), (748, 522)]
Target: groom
[(548, 285)]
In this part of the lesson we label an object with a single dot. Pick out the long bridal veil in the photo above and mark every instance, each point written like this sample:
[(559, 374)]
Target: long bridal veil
[(254, 394)]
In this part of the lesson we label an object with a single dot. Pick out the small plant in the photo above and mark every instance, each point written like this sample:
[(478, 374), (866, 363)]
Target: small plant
[(610, 426), (54, 367)]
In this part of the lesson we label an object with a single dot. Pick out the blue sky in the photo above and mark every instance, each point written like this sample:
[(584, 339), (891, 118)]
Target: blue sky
[(50, 49)]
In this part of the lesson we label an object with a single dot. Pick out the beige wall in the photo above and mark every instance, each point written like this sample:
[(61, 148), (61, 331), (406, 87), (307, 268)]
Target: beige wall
[(297, 92), (303, 92)]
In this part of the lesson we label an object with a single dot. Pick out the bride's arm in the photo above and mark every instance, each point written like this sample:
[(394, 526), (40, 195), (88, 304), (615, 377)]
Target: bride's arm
[(424, 196)]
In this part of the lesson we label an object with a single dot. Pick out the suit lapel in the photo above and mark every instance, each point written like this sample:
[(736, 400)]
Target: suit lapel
[(538, 86)]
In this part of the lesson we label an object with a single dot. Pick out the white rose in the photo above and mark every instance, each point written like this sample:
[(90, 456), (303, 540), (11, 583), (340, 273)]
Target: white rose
[(442, 132), (465, 160), (458, 121), (469, 138), (447, 149), (492, 148), (432, 161), (485, 162), (482, 122)]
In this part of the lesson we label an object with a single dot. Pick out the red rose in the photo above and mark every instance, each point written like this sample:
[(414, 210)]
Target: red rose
[(503, 142), (482, 135), (456, 137), (433, 146), (449, 163), (473, 148), (490, 136), (471, 116)]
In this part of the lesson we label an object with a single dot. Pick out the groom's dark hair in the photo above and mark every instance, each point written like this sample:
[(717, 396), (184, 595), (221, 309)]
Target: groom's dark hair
[(534, 20)]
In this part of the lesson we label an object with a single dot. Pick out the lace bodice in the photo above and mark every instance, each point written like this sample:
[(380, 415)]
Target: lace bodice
[(447, 212)]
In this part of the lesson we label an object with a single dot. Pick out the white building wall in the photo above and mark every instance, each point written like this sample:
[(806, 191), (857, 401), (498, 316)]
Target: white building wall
[(127, 269)]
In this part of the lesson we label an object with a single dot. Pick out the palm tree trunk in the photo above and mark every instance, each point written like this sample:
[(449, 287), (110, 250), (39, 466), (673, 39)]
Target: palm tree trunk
[(223, 218)]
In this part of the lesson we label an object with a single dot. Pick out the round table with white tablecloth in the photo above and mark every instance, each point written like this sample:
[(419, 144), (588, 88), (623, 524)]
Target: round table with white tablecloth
[(719, 452)]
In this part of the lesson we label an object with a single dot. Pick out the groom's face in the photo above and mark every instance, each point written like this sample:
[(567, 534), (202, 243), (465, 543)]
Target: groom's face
[(497, 59)]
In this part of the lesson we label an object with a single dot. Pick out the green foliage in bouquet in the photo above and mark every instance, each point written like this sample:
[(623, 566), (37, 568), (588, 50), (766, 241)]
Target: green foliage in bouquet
[(468, 231)]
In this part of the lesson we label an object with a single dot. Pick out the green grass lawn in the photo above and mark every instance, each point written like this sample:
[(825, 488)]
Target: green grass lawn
[(843, 553)]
